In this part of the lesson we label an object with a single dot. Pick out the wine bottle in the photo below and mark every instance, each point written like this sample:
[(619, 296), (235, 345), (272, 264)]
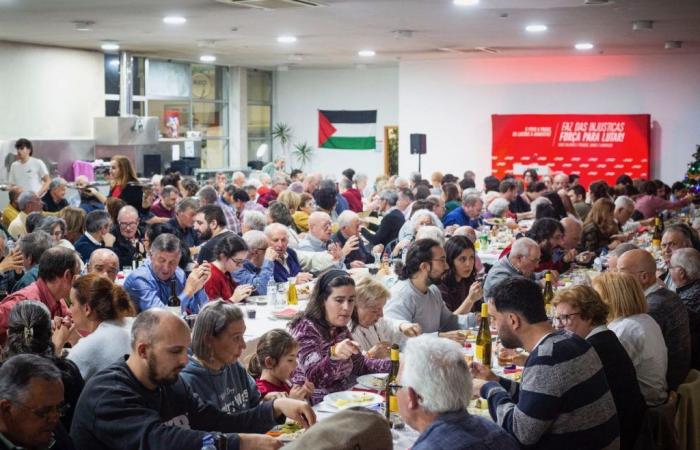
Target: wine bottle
[(483, 338), (658, 232), (548, 293), (391, 405), (174, 300)]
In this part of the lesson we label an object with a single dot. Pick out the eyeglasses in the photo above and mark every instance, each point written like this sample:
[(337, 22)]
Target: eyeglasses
[(238, 261), (128, 224), (45, 413), (565, 318)]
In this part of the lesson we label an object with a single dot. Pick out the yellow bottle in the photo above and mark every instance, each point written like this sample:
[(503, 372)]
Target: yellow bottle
[(483, 338), (548, 293), (656, 237), (292, 298), (392, 405)]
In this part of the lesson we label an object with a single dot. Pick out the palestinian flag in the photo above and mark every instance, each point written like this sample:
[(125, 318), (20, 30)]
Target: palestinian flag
[(347, 130)]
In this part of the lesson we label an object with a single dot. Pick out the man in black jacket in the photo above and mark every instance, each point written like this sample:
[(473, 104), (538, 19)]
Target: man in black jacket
[(349, 230), (141, 402), (391, 223), (126, 232)]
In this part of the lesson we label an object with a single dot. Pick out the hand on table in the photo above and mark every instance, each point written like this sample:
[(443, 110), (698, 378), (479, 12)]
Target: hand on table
[(357, 265), (258, 442), (304, 277), (297, 410), (410, 329), (457, 335), (345, 349), (379, 351)]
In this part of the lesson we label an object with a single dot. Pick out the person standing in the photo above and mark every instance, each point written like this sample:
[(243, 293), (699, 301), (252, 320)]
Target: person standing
[(28, 172)]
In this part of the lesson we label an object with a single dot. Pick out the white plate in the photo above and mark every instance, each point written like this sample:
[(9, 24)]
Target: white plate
[(350, 399), (373, 381), (258, 299)]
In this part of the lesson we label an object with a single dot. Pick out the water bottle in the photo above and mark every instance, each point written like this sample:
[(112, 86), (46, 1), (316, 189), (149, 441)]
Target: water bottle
[(272, 294), (404, 253), (208, 442)]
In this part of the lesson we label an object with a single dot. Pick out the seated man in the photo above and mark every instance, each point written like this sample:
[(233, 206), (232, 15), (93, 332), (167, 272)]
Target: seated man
[(58, 266), (32, 246), (105, 263), (391, 223), (98, 223), (164, 207), (90, 198), (141, 402), (287, 263), (12, 208), (127, 245), (436, 388), (416, 297), (210, 225), (28, 202), (685, 271), (563, 400), (319, 235), (468, 214), (349, 238), (258, 268), (150, 286), (675, 237), (55, 199), (31, 402), (521, 261)]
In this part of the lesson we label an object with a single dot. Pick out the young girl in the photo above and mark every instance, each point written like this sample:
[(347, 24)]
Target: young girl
[(272, 366)]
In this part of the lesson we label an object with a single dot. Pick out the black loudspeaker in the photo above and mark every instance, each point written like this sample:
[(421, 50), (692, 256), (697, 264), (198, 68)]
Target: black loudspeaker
[(418, 144)]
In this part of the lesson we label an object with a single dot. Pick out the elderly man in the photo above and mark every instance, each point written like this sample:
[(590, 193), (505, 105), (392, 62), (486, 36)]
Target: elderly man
[(416, 297), (127, 245), (165, 206), (97, 234), (90, 198), (560, 182), (105, 263), (320, 233), (348, 237), (28, 202), (58, 267), (142, 402), (573, 230), (563, 400), (253, 220), (288, 263), (468, 214), (32, 246), (685, 271), (150, 286), (258, 268), (210, 225), (55, 198), (274, 168), (668, 311), (238, 179), (207, 196), (31, 402), (12, 208), (675, 237), (391, 223), (311, 182), (624, 208), (435, 392), (522, 261)]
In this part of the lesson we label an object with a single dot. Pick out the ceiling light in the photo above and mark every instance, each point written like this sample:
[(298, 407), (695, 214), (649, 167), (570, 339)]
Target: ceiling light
[(536, 28), (465, 2), (642, 25), (207, 58), (286, 39), (584, 46), (83, 25), (174, 20), (672, 45), (366, 53), (110, 46)]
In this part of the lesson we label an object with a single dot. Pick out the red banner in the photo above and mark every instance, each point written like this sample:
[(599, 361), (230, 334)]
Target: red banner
[(593, 146)]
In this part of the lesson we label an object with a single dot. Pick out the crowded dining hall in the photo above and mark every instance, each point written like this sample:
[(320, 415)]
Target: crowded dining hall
[(349, 224)]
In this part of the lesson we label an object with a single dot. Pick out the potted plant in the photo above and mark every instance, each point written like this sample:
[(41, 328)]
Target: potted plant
[(303, 152), (282, 133)]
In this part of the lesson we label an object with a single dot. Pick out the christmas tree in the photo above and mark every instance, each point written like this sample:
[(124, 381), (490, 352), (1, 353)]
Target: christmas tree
[(692, 177)]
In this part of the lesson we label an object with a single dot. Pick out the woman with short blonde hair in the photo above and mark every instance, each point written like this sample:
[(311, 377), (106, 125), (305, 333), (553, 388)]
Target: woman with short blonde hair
[(637, 331), (290, 199)]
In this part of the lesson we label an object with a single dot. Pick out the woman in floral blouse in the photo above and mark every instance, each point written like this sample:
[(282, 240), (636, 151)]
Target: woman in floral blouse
[(328, 356)]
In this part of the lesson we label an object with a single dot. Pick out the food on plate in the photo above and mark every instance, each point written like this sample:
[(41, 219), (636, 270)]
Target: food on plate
[(287, 432), (357, 399)]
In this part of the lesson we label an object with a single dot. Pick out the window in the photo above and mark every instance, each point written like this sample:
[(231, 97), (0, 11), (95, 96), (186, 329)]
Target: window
[(259, 114)]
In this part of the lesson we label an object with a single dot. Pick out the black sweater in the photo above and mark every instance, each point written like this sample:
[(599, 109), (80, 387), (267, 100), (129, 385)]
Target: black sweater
[(622, 380), (117, 412), (388, 229)]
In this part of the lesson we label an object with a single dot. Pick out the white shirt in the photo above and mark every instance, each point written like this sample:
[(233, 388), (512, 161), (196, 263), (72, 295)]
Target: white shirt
[(110, 341), (28, 175), (641, 337), (385, 330)]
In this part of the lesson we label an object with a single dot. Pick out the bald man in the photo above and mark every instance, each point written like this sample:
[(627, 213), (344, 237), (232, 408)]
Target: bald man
[(666, 308), (320, 232), (572, 239), (142, 402), (105, 263)]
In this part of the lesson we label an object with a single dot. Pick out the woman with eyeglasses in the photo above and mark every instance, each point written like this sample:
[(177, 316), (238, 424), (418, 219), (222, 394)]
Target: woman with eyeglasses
[(56, 228), (230, 253), (580, 310), (637, 331)]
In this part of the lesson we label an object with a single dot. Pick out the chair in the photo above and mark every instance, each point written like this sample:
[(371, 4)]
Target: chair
[(662, 422), (688, 413)]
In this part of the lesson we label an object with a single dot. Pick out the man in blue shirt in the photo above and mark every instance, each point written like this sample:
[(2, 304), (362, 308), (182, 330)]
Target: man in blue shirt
[(258, 268), (434, 392), (468, 214), (149, 285)]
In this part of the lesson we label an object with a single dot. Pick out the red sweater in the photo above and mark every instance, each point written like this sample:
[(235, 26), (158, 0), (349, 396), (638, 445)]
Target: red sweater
[(219, 285), (265, 387), (354, 198)]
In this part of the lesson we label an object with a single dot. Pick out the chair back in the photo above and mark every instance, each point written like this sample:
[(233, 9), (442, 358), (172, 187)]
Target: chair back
[(688, 412)]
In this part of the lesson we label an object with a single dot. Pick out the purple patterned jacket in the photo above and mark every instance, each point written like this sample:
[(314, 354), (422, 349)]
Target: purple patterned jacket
[(316, 365)]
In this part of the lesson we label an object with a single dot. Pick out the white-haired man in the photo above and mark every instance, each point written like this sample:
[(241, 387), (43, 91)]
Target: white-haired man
[(435, 389), (522, 261), (685, 271), (348, 236)]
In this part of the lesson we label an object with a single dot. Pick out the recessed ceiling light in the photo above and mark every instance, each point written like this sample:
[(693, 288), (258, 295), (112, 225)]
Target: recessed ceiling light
[(174, 20), (207, 58), (83, 25), (536, 28), (286, 39), (109, 46), (366, 53), (584, 46), (465, 2)]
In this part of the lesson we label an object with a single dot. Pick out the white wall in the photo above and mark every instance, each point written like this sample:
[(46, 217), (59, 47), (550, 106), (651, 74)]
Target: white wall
[(48, 92), (452, 102), (300, 93)]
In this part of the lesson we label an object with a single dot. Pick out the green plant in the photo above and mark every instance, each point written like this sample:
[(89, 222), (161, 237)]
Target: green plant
[(303, 152)]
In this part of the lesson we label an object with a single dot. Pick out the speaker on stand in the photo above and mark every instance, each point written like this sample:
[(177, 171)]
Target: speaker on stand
[(418, 146)]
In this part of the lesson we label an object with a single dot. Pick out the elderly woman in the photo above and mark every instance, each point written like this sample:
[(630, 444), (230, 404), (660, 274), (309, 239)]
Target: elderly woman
[(419, 219), (32, 246), (374, 332), (580, 310), (328, 356), (637, 331), (56, 228), (301, 215), (497, 208), (75, 222), (459, 288)]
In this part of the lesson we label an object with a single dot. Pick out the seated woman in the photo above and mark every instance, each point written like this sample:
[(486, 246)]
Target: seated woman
[(374, 332), (230, 253), (637, 331), (103, 313), (29, 331), (600, 229), (580, 310), (407, 234), (459, 288), (301, 215), (328, 356)]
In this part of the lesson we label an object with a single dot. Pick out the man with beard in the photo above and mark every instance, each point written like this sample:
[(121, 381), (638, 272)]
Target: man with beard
[(563, 400), (210, 226), (141, 401), (416, 297), (549, 235)]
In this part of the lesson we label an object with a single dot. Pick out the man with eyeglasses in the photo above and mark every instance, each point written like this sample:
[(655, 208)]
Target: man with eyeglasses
[(31, 405), (210, 226), (258, 268), (126, 232)]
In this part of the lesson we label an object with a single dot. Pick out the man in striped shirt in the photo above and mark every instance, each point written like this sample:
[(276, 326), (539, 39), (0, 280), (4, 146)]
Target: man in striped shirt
[(563, 400)]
